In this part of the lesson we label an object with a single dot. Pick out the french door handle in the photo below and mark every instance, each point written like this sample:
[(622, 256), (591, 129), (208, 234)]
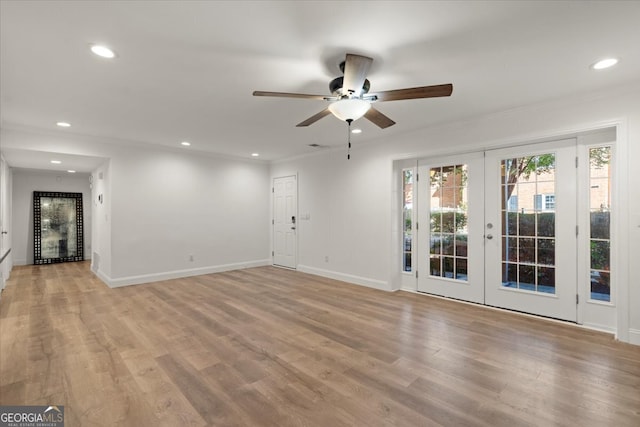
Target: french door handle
[(293, 228)]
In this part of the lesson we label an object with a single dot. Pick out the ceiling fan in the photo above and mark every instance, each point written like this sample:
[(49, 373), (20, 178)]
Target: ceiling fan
[(351, 100)]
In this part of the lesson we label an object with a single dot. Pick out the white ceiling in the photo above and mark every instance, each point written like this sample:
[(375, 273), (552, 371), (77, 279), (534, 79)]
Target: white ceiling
[(187, 70), (41, 160)]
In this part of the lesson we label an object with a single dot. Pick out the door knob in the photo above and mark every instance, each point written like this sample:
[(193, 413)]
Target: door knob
[(489, 236), (293, 228)]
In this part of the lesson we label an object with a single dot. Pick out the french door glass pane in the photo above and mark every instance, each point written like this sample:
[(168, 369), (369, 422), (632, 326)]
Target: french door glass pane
[(546, 223), (600, 221), (461, 269), (448, 222), (528, 223)]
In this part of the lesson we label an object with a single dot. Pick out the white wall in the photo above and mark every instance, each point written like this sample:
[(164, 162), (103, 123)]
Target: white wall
[(168, 206), (25, 182), (350, 201)]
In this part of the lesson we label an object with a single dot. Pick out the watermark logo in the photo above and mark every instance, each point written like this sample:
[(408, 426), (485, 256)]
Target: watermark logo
[(32, 416)]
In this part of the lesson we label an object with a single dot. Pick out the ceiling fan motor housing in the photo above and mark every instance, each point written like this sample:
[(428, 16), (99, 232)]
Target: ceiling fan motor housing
[(336, 86)]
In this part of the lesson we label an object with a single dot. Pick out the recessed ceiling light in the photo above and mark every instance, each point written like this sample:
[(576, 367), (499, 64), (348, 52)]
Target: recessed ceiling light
[(63, 124), (255, 154), (71, 171), (56, 162), (605, 63), (356, 131), (103, 51), (185, 143)]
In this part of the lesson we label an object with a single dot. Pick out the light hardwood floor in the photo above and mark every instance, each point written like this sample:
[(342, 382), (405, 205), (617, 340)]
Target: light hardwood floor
[(271, 347)]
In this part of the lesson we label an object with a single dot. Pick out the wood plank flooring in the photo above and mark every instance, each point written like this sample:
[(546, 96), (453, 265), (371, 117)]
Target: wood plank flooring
[(271, 347)]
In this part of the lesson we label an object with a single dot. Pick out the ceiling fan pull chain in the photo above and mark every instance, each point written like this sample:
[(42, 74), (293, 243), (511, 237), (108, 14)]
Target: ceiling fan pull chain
[(349, 139)]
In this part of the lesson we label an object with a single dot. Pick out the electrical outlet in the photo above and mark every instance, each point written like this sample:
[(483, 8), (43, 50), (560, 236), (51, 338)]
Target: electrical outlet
[(326, 258), (190, 258)]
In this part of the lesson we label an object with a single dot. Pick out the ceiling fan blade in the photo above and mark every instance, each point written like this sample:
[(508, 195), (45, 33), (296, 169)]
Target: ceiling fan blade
[(378, 119), (414, 93), (356, 68), (311, 120), (291, 95)]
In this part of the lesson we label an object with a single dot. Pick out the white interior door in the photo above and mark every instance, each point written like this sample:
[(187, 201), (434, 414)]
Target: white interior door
[(450, 227), (285, 211), (530, 229)]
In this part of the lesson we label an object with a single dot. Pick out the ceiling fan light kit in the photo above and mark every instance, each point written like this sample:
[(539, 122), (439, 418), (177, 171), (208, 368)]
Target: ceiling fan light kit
[(349, 108)]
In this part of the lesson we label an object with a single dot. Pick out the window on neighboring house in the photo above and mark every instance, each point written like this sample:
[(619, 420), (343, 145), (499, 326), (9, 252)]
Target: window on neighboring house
[(544, 202), (407, 213), (512, 205)]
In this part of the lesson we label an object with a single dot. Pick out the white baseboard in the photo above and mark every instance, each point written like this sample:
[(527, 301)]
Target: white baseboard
[(599, 328), (357, 280), (634, 336), (177, 274), (106, 279)]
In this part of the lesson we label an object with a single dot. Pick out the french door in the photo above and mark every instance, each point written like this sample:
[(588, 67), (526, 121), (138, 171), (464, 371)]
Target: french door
[(450, 227), (499, 228), (530, 229)]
